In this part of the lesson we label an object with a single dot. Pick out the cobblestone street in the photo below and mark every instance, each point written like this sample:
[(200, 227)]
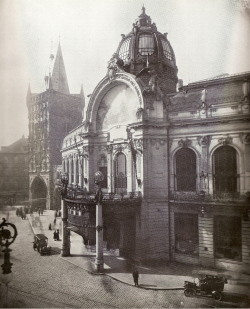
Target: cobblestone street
[(50, 281)]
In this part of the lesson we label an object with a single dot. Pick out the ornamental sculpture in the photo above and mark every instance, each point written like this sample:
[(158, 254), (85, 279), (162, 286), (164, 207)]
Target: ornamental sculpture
[(225, 140), (115, 65), (184, 143), (204, 140)]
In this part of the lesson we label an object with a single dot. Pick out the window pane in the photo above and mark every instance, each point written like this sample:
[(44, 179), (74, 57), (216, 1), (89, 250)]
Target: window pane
[(124, 49), (120, 173), (225, 169), (166, 50), (185, 170), (146, 44), (227, 237), (186, 234)]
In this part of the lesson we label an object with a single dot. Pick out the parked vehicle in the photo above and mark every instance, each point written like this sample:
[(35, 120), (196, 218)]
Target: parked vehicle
[(41, 244), (208, 285)]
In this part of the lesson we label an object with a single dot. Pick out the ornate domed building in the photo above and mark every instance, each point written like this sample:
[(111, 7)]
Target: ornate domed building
[(174, 163)]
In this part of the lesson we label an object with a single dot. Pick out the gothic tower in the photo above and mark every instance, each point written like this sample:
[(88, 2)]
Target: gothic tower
[(52, 114)]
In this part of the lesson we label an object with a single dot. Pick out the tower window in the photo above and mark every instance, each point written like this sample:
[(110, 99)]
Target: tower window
[(146, 44), (124, 49)]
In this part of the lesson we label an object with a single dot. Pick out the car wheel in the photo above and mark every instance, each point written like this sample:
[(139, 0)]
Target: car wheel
[(217, 295), (189, 292)]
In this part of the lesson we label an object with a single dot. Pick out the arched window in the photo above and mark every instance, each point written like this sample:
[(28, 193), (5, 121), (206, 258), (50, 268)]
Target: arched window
[(185, 167), (102, 166), (120, 173), (225, 169)]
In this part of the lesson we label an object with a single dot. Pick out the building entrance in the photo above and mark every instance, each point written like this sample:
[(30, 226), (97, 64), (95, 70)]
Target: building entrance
[(38, 194)]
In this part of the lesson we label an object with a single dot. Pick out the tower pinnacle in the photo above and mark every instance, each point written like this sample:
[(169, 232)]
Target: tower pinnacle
[(59, 78)]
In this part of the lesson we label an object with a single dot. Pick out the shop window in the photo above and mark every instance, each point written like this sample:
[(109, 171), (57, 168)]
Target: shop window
[(146, 44), (227, 237), (120, 173), (225, 169), (185, 166), (186, 234)]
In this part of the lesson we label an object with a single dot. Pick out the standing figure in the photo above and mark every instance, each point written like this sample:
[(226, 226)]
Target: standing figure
[(136, 277), (55, 235)]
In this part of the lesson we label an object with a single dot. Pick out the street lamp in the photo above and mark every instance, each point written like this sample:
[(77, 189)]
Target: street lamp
[(8, 234), (98, 178), (65, 233)]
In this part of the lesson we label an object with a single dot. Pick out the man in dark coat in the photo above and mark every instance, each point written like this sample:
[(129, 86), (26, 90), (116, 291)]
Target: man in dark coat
[(136, 277)]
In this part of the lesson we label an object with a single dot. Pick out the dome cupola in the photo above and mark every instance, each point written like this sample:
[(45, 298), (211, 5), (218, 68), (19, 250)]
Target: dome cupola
[(144, 47)]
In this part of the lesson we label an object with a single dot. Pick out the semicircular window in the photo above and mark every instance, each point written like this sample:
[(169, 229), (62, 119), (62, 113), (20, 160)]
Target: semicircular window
[(124, 49), (146, 44), (167, 50)]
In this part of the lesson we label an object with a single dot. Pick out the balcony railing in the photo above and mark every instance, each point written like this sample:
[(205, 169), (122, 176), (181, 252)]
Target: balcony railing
[(81, 197), (205, 197)]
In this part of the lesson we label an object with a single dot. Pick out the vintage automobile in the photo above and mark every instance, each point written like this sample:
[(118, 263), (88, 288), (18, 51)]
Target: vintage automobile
[(41, 244), (206, 285)]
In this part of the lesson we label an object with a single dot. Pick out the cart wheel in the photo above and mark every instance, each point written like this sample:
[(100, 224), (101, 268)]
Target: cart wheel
[(189, 292), (217, 295)]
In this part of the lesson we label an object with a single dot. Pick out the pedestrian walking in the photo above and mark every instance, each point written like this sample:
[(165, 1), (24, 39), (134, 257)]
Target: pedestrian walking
[(50, 228), (136, 277)]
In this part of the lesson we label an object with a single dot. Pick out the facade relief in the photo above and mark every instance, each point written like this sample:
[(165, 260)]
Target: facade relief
[(184, 143), (204, 140), (245, 138), (225, 140)]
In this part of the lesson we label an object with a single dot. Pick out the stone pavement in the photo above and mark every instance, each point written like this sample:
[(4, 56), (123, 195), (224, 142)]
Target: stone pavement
[(165, 277)]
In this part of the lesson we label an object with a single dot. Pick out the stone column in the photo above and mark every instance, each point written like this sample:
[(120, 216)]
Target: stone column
[(80, 180), (65, 233), (74, 171), (99, 239)]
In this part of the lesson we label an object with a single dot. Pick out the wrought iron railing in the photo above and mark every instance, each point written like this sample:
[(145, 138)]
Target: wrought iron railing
[(205, 197)]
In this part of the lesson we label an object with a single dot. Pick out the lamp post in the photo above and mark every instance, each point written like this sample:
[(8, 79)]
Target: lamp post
[(8, 234), (65, 233), (98, 178)]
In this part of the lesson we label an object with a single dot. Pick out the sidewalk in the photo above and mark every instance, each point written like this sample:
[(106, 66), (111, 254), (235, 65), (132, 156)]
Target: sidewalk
[(165, 277)]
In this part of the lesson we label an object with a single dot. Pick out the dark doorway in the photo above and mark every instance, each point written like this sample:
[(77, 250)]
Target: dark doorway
[(38, 194)]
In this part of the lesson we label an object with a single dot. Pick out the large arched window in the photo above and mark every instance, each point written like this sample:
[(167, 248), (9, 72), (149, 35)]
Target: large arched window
[(185, 167), (120, 173), (225, 169)]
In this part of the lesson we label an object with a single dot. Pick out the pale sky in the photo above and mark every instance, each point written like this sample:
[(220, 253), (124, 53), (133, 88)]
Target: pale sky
[(209, 38)]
